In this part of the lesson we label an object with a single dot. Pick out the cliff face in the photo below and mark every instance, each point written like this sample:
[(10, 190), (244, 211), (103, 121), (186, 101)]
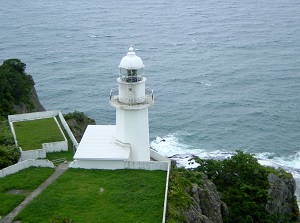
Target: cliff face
[(282, 196), (34, 101), (207, 206)]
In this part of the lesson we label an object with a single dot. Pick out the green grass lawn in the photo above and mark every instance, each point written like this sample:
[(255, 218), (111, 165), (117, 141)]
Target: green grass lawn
[(26, 180), (32, 134), (100, 196)]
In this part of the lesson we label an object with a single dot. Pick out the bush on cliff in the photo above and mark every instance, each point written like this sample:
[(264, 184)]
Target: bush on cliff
[(9, 153), (15, 86), (243, 185), (78, 122)]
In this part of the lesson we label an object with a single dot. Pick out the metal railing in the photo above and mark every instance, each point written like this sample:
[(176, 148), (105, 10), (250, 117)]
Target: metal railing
[(148, 98)]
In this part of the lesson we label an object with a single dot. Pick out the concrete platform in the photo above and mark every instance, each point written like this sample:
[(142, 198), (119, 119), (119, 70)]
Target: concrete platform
[(99, 143)]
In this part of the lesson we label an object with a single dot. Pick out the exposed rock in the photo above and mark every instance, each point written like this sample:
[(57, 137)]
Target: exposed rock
[(35, 99), (207, 206), (282, 195)]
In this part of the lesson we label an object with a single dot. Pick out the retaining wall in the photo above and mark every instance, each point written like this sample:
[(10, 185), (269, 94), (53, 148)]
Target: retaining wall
[(153, 165), (32, 116), (46, 147), (166, 193), (23, 165), (68, 130), (119, 164), (32, 154)]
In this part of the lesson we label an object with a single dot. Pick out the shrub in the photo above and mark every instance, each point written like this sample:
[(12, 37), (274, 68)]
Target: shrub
[(9, 155), (243, 185), (80, 117)]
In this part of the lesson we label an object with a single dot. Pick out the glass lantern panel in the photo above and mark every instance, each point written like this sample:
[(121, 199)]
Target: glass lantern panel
[(123, 72), (140, 71), (131, 73)]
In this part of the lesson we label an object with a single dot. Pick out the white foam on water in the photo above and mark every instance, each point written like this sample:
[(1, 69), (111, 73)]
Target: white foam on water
[(183, 154)]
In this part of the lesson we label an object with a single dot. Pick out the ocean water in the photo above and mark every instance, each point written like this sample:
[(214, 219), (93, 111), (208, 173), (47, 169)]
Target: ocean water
[(226, 75)]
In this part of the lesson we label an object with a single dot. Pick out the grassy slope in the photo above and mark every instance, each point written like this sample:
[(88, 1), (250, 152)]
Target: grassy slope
[(32, 134), (27, 179), (128, 196)]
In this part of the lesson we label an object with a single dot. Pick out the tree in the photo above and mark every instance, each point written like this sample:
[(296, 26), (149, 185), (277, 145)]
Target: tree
[(15, 86), (243, 185)]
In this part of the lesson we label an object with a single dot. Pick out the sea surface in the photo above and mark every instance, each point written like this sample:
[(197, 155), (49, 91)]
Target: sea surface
[(226, 74)]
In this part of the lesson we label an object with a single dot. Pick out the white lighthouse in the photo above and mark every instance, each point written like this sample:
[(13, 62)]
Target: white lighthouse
[(132, 100), (126, 144)]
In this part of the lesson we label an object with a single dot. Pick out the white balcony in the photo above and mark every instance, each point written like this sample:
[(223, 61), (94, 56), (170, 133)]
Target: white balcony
[(131, 103)]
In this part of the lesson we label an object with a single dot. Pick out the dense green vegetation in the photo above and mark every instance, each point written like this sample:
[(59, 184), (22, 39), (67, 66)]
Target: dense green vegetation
[(80, 117), (100, 196), (78, 122), (242, 183), (25, 181), (15, 86), (178, 197), (9, 153), (32, 134)]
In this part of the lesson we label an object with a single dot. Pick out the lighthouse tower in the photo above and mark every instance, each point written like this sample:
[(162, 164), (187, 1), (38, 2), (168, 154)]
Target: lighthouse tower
[(132, 100)]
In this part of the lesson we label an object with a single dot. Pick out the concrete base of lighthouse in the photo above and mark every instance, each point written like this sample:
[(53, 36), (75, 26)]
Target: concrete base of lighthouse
[(99, 149)]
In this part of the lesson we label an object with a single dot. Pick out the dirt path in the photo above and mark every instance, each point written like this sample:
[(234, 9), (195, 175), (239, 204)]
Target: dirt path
[(59, 170)]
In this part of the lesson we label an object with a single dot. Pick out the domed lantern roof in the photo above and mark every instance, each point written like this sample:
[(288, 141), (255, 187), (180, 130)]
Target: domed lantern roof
[(131, 61), (131, 67)]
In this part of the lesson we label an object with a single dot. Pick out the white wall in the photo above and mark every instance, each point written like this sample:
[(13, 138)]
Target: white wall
[(32, 154), (166, 193), (46, 147), (119, 164), (23, 165), (55, 146), (40, 115), (32, 116), (68, 130), (97, 164)]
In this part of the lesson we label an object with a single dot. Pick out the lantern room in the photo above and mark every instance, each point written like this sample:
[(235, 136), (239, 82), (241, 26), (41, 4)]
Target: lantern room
[(131, 67)]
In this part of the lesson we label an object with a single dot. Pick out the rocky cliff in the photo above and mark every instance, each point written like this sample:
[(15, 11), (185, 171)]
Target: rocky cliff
[(207, 206), (282, 198), (237, 189)]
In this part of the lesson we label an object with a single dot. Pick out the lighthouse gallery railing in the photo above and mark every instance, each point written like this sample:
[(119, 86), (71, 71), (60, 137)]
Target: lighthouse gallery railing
[(148, 98)]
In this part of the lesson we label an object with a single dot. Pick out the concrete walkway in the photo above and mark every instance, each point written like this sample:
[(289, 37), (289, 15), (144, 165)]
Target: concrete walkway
[(59, 170)]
